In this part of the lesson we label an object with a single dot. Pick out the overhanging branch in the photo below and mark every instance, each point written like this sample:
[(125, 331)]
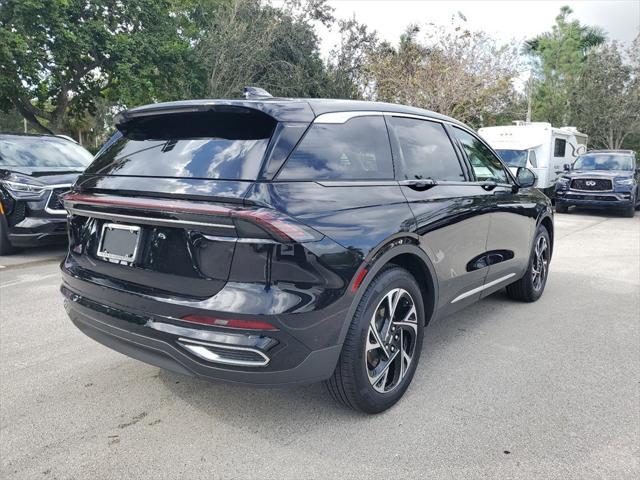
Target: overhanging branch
[(28, 114)]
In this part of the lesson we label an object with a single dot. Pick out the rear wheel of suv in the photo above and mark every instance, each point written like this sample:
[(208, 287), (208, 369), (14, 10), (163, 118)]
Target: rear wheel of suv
[(382, 348), (530, 287)]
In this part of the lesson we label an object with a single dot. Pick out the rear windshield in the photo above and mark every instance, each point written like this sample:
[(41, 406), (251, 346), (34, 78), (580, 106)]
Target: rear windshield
[(210, 145), (16, 151)]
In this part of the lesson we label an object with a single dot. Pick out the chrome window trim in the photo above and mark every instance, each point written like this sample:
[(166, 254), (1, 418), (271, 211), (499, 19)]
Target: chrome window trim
[(357, 183), (343, 117)]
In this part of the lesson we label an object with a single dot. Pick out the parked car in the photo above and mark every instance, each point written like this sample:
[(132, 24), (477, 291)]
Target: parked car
[(285, 241), (34, 171), (538, 146), (601, 179)]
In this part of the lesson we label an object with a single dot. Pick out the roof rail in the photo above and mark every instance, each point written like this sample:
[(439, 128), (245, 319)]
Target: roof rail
[(255, 92)]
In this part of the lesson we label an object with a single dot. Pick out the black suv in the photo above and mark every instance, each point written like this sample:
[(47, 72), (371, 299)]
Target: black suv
[(34, 171), (285, 241), (601, 179)]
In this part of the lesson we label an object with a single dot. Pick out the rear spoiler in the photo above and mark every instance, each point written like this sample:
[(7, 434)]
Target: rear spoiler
[(280, 110)]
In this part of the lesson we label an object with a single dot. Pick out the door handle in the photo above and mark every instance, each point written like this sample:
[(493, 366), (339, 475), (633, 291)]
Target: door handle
[(488, 185), (419, 184)]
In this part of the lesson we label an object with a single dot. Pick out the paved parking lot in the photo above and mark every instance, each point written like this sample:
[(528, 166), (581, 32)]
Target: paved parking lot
[(504, 390)]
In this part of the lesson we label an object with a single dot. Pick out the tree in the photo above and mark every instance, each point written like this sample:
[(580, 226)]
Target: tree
[(251, 43), (348, 60), (58, 56), (558, 58), (608, 95), (453, 71)]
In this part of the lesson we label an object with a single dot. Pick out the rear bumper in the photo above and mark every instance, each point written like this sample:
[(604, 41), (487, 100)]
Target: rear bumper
[(595, 199), (163, 343)]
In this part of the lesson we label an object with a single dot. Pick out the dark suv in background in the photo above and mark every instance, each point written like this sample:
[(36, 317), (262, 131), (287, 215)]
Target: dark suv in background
[(34, 171), (285, 241), (607, 179)]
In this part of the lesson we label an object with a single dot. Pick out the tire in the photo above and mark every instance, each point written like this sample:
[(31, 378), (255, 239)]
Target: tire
[(5, 245), (561, 208), (630, 211), (359, 380), (531, 286)]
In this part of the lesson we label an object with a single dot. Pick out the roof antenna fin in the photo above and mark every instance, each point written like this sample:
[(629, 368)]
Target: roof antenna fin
[(255, 92)]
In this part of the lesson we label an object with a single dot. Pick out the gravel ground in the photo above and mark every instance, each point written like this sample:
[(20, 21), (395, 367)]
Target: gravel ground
[(504, 390)]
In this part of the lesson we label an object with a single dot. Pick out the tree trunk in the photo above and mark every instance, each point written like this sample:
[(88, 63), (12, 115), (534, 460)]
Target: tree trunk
[(31, 118)]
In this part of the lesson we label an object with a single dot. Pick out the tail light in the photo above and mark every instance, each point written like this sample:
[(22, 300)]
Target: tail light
[(277, 225), (233, 323)]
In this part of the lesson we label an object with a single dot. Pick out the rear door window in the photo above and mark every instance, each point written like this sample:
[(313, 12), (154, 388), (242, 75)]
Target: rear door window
[(355, 150), (225, 146), (485, 165), (425, 150)]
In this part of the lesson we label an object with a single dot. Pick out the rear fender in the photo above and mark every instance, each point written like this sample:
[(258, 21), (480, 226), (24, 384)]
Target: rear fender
[(379, 259)]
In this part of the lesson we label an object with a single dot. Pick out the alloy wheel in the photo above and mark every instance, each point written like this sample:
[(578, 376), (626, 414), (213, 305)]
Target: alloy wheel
[(540, 262), (391, 340)]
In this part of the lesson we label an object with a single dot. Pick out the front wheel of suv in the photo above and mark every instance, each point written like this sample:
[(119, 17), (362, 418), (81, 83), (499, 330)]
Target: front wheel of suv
[(630, 211), (5, 245), (382, 348), (530, 287)]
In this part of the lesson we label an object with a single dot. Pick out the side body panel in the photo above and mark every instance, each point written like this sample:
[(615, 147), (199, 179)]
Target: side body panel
[(513, 222), (453, 222)]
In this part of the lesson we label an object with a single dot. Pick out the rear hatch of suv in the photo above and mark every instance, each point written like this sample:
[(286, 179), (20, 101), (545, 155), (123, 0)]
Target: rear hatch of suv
[(161, 208)]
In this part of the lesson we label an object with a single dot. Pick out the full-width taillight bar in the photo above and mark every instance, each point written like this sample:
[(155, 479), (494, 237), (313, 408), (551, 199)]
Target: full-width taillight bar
[(279, 225)]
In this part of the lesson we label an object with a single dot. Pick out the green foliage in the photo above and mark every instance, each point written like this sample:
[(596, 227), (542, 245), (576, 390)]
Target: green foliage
[(64, 63), (68, 66), (454, 71), (608, 98), (251, 43), (11, 121), (558, 58), (58, 56)]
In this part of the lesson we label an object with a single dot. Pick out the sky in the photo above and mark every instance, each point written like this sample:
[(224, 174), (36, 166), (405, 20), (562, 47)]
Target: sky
[(503, 20)]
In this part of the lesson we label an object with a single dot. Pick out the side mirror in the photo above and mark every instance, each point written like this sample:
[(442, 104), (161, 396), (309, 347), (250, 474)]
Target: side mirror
[(525, 177), (567, 167)]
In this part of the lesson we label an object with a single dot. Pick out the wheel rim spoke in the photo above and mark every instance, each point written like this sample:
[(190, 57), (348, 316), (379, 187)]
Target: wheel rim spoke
[(540, 263), (391, 340), (373, 339)]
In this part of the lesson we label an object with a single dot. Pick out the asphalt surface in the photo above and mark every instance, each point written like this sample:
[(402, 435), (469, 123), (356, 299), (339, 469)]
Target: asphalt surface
[(503, 390)]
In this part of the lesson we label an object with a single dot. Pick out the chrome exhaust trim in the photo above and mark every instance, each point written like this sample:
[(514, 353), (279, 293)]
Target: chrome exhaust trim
[(215, 353)]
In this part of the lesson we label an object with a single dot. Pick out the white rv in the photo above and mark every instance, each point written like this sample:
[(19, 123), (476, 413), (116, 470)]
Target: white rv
[(538, 146)]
